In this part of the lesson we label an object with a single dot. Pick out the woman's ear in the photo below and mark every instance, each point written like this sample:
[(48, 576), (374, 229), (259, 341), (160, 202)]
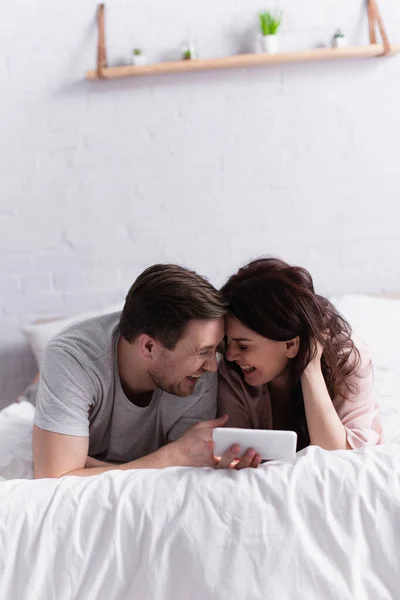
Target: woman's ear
[(292, 347)]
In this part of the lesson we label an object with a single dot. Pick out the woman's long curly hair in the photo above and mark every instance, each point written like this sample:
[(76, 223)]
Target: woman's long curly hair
[(278, 302)]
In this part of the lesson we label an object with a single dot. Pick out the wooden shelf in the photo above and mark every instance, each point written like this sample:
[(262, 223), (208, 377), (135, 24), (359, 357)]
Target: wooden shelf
[(243, 60)]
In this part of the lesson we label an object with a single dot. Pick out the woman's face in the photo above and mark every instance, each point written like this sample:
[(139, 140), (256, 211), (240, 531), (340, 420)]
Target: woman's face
[(261, 360)]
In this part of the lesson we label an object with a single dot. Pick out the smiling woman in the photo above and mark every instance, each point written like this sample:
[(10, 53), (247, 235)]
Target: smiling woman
[(292, 363)]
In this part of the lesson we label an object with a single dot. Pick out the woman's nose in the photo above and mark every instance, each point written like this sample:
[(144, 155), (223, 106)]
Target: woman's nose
[(230, 353)]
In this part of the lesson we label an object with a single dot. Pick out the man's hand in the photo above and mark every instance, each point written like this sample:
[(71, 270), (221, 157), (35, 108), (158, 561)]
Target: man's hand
[(230, 461), (196, 449)]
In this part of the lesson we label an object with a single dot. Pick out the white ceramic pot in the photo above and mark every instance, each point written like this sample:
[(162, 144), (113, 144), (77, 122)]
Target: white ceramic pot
[(139, 60), (270, 44), (339, 42), (189, 47)]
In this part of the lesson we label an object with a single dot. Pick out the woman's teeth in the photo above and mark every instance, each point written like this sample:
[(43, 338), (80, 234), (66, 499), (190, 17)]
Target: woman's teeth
[(247, 368)]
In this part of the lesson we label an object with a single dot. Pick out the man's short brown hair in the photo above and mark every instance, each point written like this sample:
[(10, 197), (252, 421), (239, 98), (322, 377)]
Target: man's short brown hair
[(162, 301)]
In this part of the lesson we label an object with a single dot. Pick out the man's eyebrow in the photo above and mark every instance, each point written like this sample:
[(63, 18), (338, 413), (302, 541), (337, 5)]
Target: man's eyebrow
[(241, 340), (200, 348)]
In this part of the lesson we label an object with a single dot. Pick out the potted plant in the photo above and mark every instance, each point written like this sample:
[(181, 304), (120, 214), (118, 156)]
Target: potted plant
[(270, 24), (339, 40), (189, 51), (138, 57)]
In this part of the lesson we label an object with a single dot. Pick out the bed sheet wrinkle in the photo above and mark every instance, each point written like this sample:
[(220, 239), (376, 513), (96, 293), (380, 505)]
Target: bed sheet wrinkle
[(322, 527), (323, 521), (199, 558), (117, 523)]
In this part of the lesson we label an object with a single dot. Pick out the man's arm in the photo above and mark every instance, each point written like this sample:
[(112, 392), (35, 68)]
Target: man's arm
[(94, 462), (56, 455)]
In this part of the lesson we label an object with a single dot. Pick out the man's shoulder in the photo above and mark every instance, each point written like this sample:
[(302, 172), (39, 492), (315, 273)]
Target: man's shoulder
[(87, 341), (208, 383)]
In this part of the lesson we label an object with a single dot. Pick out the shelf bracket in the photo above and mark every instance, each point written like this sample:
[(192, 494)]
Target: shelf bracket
[(101, 48), (375, 19)]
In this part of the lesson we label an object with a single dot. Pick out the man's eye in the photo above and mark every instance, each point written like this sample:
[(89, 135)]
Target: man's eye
[(204, 352)]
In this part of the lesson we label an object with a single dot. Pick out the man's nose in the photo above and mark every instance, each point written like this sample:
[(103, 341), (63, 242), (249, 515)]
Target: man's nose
[(211, 363)]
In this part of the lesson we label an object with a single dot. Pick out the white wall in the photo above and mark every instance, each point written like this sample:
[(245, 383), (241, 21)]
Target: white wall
[(99, 180)]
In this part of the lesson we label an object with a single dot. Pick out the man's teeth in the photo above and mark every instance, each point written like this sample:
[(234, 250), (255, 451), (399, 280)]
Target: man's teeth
[(194, 376), (247, 367)]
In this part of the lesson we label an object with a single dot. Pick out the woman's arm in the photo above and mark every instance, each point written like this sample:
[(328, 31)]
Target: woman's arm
[(324, 425), (344, 422)]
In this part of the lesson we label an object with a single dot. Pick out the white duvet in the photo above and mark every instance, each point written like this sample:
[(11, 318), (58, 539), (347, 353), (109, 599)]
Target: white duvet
[(325, 526)]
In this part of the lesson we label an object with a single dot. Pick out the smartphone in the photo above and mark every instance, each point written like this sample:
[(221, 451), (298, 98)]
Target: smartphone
[(270, 445)]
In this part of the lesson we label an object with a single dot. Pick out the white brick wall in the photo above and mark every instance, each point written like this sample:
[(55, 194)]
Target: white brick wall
[(100, 180)]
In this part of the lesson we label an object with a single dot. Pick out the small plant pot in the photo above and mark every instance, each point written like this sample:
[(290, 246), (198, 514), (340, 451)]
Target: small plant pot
[(189, 51), (339, 42), (270, 44), (139, 60)]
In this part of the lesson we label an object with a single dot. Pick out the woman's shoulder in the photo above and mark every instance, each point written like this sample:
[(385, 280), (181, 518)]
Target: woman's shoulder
[(363, 357), (247, 406), (230, 375), (228, 370)]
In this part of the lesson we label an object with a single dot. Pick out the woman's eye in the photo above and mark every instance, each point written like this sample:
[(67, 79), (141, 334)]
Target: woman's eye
[(242, 347)]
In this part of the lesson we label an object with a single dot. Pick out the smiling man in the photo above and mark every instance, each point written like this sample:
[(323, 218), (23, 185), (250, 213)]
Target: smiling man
[(135, 389)]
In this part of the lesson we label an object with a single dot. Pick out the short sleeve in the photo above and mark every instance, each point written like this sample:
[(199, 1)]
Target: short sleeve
[(359, 413), (65, 395), (203, 408)]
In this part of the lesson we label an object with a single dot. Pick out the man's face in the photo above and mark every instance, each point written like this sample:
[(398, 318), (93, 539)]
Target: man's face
[(177, 371)]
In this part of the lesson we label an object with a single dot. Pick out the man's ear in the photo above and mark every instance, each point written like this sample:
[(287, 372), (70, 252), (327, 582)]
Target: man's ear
[(292, 347), (146, 345)]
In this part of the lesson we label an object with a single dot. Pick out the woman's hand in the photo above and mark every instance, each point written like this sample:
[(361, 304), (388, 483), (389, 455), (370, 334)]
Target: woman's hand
[(315, 363)]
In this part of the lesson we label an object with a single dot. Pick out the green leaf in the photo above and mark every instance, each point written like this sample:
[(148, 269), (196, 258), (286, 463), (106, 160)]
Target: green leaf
[(270, 23)]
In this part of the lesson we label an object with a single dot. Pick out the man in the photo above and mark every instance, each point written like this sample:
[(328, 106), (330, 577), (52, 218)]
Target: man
[(127, 391)]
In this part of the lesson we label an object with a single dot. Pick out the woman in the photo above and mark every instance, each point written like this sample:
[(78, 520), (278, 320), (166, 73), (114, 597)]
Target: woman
[(293, 363)]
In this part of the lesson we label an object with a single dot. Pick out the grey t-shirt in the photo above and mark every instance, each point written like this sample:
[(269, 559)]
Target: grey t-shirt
[(80, 394)]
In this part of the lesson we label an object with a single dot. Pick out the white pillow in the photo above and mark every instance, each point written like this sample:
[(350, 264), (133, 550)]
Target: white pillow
[(376, 321), (387, 386), (16, 441), (39, 334)]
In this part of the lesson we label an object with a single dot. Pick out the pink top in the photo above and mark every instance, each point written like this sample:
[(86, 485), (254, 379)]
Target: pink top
[(250, 407)]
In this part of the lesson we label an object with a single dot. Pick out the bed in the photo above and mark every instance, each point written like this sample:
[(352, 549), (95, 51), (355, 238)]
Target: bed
[(324, 526)]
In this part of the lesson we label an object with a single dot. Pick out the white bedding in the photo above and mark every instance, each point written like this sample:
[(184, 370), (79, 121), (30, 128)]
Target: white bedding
[(325, 526)]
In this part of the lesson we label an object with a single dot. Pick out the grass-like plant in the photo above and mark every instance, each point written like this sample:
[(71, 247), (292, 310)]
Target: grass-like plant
[(339, 34), (187, 55), (137, 52), (270, 23)]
